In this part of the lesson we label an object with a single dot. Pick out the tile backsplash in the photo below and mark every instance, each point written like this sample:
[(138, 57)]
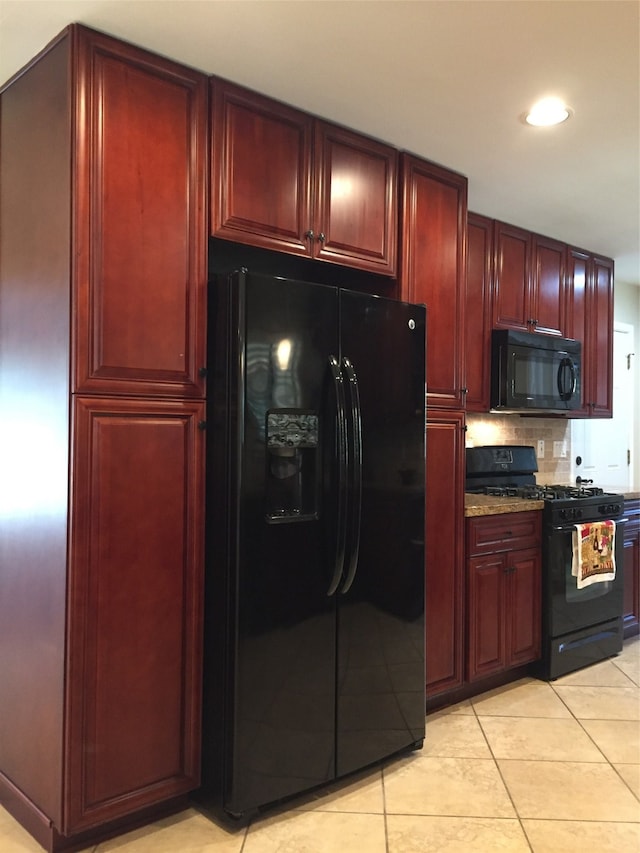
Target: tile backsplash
[(514, 429)]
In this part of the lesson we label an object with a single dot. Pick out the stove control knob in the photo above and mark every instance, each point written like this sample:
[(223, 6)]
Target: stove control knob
[(609, 509), (577, 513)]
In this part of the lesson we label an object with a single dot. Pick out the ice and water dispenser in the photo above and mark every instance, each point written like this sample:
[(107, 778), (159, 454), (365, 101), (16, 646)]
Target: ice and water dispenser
[(292, 465)]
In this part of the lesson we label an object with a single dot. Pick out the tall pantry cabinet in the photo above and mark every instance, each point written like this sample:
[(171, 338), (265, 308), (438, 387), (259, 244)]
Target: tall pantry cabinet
[(433, 227), (102, 389)]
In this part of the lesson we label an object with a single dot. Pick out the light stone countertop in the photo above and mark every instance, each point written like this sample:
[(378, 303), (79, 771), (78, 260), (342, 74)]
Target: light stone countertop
[(475, 505)]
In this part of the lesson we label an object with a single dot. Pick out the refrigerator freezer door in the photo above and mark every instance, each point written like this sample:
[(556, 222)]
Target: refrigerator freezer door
[(381, 681), (281, 723)]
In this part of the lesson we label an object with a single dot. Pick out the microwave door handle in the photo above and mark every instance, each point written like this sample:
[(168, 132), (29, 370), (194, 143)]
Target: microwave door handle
[(566, 393)]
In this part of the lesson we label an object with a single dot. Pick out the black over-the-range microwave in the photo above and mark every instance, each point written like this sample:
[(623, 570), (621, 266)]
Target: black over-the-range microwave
[(532, 372)]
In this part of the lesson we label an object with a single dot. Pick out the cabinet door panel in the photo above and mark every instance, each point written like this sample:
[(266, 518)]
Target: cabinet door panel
[(590, 320), (478, 311), (141, 277), (505, 532), (523, 606), (548, 286), (136, 589), (444, 544), (601, 334), (485, 607), (576, 296), (356, 200), (512, 277), (260, 170), (434, 213)]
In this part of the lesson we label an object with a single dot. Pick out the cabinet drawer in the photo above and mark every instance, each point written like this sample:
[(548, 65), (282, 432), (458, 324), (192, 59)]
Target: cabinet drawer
[(506, 532)]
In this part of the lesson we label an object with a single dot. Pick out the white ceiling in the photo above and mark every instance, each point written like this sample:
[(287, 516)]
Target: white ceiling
[(445, 79)]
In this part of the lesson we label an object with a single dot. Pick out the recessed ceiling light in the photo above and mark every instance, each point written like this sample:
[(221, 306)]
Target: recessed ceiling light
[(547, 112)]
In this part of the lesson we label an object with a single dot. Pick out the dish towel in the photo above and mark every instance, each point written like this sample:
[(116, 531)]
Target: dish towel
[(594, 558)]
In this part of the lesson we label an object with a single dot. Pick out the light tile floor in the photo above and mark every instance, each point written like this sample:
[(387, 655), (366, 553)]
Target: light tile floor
[(549, 768)]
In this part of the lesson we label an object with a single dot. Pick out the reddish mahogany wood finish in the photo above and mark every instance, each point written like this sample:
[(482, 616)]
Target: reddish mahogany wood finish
[(356, 216), (505, 532), (260, 170), (477, 329), (524, 603), (503, 592), (631, 606), (34, 400), (283, 180), (485, 608), (548, 286), (140, 185), (135, 597), (590, 320), (512, 278), (444, 546), (102, 286), (600, 339), (529, 281), (433, 270)]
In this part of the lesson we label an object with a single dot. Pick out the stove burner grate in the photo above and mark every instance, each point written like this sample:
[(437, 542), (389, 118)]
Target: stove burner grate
[(542, 493)]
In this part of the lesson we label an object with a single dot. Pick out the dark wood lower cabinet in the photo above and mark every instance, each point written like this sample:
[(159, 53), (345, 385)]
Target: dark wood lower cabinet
[(444, 549), (631, 604), (135, 602), (503, 593), (121, 707)]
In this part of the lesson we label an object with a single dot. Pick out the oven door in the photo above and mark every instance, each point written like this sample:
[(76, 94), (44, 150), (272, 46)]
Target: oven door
[(567, 608)]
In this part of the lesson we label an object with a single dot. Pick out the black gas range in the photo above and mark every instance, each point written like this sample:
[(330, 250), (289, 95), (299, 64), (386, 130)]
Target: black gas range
[(562, 503), (580, 625), (509, 471)]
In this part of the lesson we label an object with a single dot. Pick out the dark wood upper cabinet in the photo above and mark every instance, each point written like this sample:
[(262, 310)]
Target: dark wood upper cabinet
[(548, 286), (139, 196), (433, 229), (284, 180), (600, 339), (590, 320), (260, 170), (529, 281), (477, 329), (356, 214), (512, 278)]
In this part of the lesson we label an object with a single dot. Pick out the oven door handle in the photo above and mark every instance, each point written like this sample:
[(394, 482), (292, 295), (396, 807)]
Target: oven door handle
[(568, 528)]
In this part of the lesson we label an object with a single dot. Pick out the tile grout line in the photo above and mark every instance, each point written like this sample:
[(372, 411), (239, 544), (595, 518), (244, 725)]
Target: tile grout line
[(579, 721), (502, 779), (384, 808)]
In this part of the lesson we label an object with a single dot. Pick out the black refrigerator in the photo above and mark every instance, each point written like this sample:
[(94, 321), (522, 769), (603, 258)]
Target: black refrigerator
[(314, 625)]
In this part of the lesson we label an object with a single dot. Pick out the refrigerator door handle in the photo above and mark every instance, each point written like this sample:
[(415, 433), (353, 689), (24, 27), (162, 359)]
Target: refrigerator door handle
[(356, 471), (342, 461)]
